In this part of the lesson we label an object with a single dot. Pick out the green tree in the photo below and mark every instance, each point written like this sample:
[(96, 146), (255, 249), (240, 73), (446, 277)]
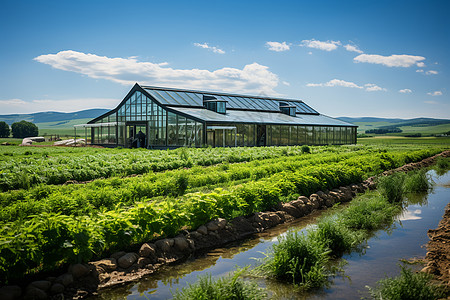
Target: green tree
[(4, 129), (24, 129)]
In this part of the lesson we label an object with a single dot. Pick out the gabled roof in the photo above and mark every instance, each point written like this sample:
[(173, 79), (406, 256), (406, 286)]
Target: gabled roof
[(192, 98)]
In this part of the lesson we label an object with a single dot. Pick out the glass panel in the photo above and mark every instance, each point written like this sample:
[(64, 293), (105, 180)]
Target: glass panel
[(181, 131), (276, 131), (198, 99), (221, 107), (190, 130), (183, 98), (284, 135), (172, 129), (199, 134), (157, 96)]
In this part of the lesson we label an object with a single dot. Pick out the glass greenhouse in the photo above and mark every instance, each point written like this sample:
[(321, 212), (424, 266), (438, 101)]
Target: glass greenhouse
[(154, 117)]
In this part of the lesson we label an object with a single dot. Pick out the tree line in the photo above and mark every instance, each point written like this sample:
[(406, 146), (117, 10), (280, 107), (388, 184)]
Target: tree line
[(19, 130)]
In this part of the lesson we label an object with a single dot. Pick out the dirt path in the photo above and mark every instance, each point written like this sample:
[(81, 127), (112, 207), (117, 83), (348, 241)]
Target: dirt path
[(438, 255)]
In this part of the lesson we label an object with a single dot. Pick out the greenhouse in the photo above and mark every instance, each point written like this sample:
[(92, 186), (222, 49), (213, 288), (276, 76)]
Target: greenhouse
[(161, 118)]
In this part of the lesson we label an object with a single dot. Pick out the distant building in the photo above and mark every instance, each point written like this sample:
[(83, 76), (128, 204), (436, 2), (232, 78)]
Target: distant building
[(154, 117)]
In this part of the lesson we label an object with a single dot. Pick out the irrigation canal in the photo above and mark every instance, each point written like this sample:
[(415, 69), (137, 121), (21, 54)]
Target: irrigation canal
[(405, 239)]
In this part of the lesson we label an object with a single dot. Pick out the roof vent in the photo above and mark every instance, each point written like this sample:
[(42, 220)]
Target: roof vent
[(214, 104), (287, 109)]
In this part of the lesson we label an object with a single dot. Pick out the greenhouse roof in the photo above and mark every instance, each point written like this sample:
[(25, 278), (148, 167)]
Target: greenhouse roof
[(240, 116), (187, 98)]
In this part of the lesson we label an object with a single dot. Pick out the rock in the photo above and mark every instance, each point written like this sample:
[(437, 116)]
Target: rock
[(10, 292), (127, 260), (292, 210), (212, 226), (194, 235), (56, 288), (147, 250), (221, 222), (181, 244), (78, 270), (35, 294), (163, 245), (202, 229), (65, 279), (315, 202), (242, 226), (107, 264), (42, 285), (118, 255), (303, 198), (171, 242), (142, 262)]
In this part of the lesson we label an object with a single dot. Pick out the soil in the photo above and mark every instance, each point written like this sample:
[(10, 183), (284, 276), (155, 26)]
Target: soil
[(438, 255)]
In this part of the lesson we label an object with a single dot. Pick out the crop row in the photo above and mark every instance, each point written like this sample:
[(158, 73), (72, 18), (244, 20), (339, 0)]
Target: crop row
[(109, 193), (42, 167), (49, 240)]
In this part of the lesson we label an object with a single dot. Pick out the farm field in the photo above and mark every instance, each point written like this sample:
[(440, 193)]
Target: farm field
[(137, 195)]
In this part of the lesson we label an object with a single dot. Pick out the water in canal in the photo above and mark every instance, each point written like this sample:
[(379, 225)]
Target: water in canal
[(406, 239)]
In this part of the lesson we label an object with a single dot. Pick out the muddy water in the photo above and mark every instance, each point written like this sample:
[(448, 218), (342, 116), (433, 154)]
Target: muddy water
[(404, 240)]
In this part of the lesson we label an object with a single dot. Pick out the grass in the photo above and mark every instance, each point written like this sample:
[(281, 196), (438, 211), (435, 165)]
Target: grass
[(398, 141), (392, 187), (408, 286), (229, 287)]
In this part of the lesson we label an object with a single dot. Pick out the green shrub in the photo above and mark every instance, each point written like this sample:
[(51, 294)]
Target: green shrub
[(298, 260), (417, 181), (408, 286), (336, 236), (392, 187), (230, 287), (369, 212)]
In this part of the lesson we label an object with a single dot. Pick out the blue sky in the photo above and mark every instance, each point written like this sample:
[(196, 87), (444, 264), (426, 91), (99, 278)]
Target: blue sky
[(344, 58)]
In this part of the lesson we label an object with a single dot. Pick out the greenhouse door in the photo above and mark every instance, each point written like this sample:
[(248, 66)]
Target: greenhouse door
[(136, 135)]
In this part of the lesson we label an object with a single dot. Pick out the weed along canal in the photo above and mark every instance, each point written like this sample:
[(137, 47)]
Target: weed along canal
[(377, 255)]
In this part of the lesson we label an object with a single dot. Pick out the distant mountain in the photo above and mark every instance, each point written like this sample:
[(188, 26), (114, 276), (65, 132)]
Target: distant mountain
[(52, 116), (398, 122)]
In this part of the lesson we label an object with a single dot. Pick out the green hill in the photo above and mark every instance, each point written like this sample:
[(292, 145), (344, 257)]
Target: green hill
[(424, 126)]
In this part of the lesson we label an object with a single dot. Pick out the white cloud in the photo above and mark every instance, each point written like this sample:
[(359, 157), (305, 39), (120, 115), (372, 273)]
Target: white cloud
[(14, 106), (390, 61), (352, 48), (420, 64), (310, 53), (419, 71), (431, 72), (212, 48), (336, 82), (370, 87), (326, 46), (278, 47), (405, 91), (435, 93), (286, 83), (252, 78)]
